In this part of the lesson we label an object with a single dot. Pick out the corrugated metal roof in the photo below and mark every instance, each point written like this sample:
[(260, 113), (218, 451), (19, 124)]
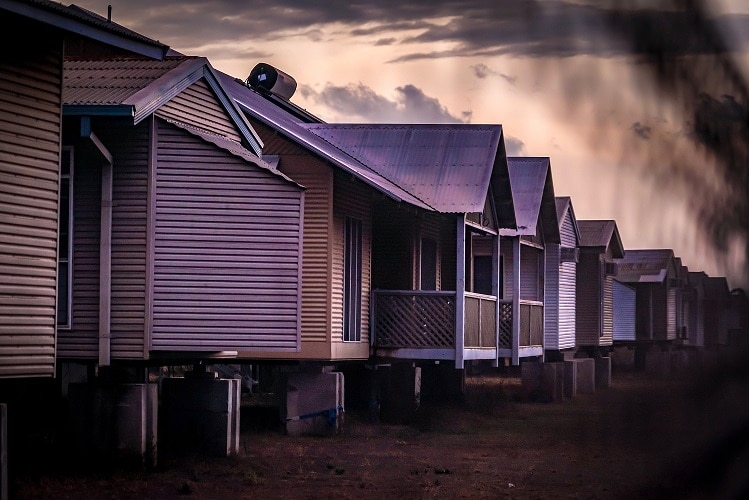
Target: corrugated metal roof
[(446, 166), (276, 117), (137, 87), (640, 266), (103, 82), (601, 234), (533, 197)]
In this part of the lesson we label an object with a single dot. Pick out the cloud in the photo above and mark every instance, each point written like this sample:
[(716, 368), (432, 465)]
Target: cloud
[(642, 131), (514, 146), (518, 27), (385, 41), (482, 71), (358, 102)]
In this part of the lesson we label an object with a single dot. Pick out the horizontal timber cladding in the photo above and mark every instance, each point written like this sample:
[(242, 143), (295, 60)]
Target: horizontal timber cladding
[(530, 273), (607, 336), (505, 250), (551, 298), (624, 312), (589, 299), (199, 106), (567, 231), (226, 250), (567, 304), (317, 178), (671, 313), (30, 83), (351, 199), (129, 148)]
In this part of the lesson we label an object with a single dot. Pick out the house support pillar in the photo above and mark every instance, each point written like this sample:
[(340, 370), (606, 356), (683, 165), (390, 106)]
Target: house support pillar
[(201, 413), (460, 288), (312, 402), (399, 392), (516, 300)]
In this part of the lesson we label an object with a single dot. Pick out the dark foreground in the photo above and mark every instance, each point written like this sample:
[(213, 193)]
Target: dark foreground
[(642, 438)]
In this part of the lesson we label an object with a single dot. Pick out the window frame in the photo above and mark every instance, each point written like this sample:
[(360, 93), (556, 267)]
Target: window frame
[(353, 241)]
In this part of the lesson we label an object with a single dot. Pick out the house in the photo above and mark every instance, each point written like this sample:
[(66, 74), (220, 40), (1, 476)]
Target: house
[(185, 246), (653, 274), (30, 116), (717, 300), (523, 258), (600, 245), (694, 309), (561, 284), (401, 223)]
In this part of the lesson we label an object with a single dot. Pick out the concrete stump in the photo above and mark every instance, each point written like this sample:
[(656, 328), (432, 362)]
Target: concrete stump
[(530, 379), (623, 358), (312, 403), (201, 413), (603, 372), (115, 422), (570, 378), (552, 381), (586, 375), (400, 392), (3, 451)]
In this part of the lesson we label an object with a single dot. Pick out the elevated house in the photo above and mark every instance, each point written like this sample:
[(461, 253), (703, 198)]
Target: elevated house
[(185, 244), (401, 221), (717, 305), (561, 283), (654, 275), (183, 247), (694, 309), (37, 35), (523, 259), (600, 245)]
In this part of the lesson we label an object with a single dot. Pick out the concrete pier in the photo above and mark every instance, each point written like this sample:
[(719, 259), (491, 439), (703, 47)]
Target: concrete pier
[(312, 403)]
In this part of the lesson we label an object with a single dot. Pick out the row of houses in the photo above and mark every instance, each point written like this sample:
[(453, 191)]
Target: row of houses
[(158, 212)]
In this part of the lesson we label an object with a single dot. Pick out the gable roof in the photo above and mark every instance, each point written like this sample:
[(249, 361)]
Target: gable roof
[(533, 197), (449, 167), (79, 21), (299, 129), (601, 234), (137, 87), (564, 206), (645, 266)]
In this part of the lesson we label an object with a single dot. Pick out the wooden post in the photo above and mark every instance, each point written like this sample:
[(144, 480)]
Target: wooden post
[(460, 288), (516, 300), (497, 293)]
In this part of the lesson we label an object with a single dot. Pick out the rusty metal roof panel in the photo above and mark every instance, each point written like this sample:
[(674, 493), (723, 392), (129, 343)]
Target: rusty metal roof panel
[(96, 82), (533, 197), (287, 124), (601, 234), (645, 266), (447, 166)]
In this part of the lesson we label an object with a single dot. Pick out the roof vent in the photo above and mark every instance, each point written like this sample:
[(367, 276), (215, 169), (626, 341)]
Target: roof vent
[(266, 78)]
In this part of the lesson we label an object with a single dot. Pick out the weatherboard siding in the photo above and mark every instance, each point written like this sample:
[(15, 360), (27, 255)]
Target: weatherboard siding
[(199, 106), (589, 298), (351, 199), (551, 296), (624, 312), (30, 117), (226, 251), (129, 149)]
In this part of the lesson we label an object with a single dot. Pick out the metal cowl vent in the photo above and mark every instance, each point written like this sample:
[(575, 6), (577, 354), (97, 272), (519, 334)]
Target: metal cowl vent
[(266, 78)]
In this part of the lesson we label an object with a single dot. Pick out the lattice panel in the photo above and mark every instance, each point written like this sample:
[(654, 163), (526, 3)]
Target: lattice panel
[(505, 325), (414, 321)]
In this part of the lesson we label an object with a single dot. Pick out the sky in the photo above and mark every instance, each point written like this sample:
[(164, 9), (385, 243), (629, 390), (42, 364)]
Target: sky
[(644, 120)]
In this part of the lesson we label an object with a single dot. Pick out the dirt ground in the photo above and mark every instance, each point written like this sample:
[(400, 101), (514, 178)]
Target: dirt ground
[(685, 437)]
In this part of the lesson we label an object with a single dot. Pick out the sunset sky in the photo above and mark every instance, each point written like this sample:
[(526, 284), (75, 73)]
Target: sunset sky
[(553, 74)]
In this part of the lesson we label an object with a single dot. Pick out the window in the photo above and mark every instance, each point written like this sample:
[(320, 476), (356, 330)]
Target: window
[(352, 286), (428, 264), (65, 241)]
